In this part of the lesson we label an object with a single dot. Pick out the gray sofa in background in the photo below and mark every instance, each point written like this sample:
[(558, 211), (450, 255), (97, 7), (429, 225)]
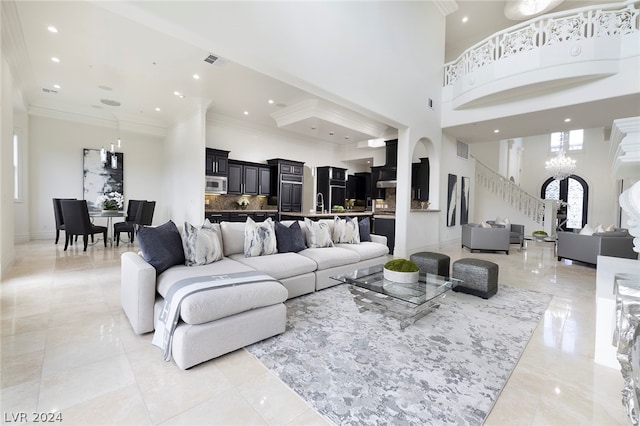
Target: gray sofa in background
[(475, 237), (516, 232), (586, 248)]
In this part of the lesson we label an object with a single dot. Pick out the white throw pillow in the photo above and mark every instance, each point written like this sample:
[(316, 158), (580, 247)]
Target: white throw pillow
[(599, 228), (259, 238), (610, 228), (201, 246), (504, 221), (485, 225), (318, 234), (346, 230), (587, 230)]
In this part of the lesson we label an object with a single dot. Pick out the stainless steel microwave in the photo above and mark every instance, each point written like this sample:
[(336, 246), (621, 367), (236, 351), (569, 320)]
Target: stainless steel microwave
[(215, 185)]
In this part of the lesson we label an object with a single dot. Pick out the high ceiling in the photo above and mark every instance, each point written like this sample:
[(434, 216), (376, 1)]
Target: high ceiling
[(107, 59)]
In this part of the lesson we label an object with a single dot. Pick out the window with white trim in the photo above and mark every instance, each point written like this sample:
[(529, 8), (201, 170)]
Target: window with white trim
[(569, 141), (17, 196)]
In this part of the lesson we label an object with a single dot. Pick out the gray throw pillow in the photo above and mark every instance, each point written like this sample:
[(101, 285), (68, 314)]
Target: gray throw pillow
[(365, 229), (161, 246), (289, 239)]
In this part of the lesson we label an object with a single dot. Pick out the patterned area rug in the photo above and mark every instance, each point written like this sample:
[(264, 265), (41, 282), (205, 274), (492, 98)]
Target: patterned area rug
[(359, 368)]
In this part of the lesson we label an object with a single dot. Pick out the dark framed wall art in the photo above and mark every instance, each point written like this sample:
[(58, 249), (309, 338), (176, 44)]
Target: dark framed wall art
[(451, 199), (464, 200), (99, 178)]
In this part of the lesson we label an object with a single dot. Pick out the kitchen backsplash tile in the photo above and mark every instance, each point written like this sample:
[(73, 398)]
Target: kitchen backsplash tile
[(230, 202)]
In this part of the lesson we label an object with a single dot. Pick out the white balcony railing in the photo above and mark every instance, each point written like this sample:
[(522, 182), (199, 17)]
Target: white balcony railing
[(547, 30)]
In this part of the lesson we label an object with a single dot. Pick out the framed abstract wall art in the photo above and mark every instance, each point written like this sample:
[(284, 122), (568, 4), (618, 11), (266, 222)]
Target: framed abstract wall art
[(451, 199), (464, 200), (100, 178)]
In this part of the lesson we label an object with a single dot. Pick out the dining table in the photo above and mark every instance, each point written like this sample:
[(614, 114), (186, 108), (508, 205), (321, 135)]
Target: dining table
[(109, 215)]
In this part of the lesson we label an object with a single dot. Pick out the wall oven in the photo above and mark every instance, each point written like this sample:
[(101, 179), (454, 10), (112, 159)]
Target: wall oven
[(215, 185)]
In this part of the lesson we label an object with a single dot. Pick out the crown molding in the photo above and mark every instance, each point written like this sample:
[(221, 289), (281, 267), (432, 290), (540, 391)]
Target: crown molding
[(123, 123), (317, 108), (446, 7), (14, 51)]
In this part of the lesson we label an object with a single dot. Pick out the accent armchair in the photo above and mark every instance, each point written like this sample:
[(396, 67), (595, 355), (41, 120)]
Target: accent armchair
[(475, 237), (516, 234)]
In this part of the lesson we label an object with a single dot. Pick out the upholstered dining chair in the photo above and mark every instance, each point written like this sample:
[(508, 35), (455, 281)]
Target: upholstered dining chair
[(145, 213), (57, 213), (127, 226), (77, 222)]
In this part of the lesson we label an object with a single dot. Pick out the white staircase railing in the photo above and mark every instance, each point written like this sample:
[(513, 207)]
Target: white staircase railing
[(520, 200), (561, 27)]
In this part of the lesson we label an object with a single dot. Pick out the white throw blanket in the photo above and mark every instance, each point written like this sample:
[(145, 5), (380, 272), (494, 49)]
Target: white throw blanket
[(179, 290)]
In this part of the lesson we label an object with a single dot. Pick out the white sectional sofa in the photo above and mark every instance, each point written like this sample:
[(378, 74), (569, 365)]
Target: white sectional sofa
[(214, 323)]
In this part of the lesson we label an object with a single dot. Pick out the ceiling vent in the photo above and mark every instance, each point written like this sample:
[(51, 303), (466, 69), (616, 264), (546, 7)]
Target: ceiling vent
[(210, 59), (45, 90), (462, 150), (110, 102)]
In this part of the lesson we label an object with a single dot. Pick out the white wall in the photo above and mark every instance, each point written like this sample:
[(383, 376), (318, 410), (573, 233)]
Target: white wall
[(593, 165), (7, 251), (184, 169), (55, 164)]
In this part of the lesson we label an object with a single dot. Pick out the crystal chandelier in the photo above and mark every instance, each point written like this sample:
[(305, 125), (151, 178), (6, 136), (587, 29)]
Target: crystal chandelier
[(561, 166)]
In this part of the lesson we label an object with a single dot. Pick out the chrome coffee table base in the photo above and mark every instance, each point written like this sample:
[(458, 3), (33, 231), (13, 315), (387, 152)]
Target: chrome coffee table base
[(407, 313)]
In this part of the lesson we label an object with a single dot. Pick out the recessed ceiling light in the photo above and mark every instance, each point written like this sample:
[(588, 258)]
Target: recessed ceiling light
[(56, 86), (331, 133), (56, 60), (271, 101), (103, 87), (347, 138), (465, 19), (196, 77), (246, 113), (158, 109), (52, 29), (496, 131), (567, 120)]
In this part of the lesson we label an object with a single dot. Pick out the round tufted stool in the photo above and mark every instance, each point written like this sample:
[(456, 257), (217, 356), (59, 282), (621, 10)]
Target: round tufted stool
[(432, 263), (480, 277)]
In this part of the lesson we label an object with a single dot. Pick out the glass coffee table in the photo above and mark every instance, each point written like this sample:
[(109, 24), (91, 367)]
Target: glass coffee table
[(406, 302)]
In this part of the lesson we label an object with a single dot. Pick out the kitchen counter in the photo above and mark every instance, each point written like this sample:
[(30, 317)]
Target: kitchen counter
[(325, 215), (240, 211), (424, 210)]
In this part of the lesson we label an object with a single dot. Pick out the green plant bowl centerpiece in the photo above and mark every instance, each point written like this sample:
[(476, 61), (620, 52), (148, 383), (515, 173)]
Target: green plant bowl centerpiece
[(539, 235), (401, 271)]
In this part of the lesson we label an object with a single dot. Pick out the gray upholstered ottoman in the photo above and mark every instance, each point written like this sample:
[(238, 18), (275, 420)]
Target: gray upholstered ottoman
[(432, 263), (480, 277)]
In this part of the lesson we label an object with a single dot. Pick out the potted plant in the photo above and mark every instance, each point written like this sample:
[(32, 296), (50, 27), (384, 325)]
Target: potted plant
[(401, 271), (111, 201), (539, 235), (242, 203)]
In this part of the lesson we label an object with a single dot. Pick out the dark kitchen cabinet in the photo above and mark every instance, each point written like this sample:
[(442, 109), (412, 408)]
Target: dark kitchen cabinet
[(243, 178), (331, 183), (238, 217), (216, 162), (386, 227), (264, 181), (290, 197), (376, 193), (216, 217), (363, 185), (420, 180), (287, 178)]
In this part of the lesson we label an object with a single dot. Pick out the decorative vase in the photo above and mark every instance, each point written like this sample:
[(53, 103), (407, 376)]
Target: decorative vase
[(401, 277)]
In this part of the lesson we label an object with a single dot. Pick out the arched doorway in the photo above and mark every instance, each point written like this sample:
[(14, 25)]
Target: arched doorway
[(574, 191)]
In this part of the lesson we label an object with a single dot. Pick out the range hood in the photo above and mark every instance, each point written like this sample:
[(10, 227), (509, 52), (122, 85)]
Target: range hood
[(388, 173)]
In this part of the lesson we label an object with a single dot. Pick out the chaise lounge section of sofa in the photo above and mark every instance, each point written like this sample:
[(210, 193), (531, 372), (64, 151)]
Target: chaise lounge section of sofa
[(214, 323)]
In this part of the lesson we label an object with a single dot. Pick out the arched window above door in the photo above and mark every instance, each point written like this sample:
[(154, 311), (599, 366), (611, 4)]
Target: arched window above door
[(574, 191)]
